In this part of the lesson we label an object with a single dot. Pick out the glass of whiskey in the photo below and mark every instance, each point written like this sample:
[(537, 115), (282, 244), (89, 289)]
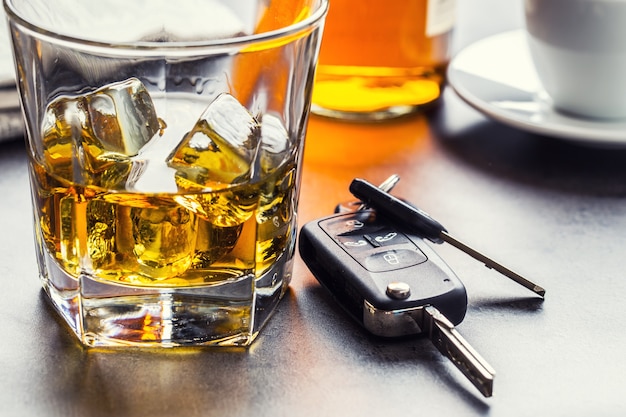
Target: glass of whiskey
[(165, 142)]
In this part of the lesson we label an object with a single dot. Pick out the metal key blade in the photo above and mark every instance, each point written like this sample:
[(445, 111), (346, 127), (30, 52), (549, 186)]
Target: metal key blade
[(490, 263), (421, 223), (453, 346)]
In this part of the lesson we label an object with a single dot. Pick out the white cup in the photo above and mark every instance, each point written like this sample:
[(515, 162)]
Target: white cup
[(579, 51)]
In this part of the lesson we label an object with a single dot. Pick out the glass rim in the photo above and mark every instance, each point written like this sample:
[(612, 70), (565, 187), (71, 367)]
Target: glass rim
[(168, 47)]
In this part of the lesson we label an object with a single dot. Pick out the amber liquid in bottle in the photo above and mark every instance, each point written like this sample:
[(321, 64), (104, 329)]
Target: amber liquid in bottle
[(381, 59)]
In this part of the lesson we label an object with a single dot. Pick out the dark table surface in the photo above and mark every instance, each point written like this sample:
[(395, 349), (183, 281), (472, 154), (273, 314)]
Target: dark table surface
[(549, 208)]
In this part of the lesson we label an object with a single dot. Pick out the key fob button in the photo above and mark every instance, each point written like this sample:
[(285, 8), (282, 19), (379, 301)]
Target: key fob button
[(357, 224), (386, 237), (393, 259), (354, 243)]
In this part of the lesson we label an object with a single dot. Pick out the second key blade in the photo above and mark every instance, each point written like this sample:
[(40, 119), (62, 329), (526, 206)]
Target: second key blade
[(453, 346)]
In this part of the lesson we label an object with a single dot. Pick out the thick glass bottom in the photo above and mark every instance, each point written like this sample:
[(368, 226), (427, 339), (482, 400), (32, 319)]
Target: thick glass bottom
[(103, 313)]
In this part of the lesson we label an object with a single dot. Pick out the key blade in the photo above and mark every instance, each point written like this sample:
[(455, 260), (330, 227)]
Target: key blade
[(389, 183), (418, 221), (490, 263), (453, 346)]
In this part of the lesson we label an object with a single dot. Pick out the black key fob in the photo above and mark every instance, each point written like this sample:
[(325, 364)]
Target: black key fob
[(382, 276)]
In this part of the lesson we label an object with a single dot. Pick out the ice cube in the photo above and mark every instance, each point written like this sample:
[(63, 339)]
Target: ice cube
[(274, 143), (275, 216), (101, 230), (224, 208), (213, 242), (58, 137), (121, 116), (91, 138), (220, 149), (118, 172), (155, 237)]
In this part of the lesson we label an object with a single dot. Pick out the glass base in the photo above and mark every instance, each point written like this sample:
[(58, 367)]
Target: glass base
[(102, 313)]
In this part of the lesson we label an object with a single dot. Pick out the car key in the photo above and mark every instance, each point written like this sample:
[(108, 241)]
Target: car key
[(393, 284), (416, 220)]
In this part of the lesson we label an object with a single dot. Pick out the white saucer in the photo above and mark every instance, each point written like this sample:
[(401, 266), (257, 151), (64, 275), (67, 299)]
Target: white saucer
[(496, 76)]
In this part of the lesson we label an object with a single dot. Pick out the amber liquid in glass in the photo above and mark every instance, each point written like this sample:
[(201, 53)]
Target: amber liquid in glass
[(195, 252)]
